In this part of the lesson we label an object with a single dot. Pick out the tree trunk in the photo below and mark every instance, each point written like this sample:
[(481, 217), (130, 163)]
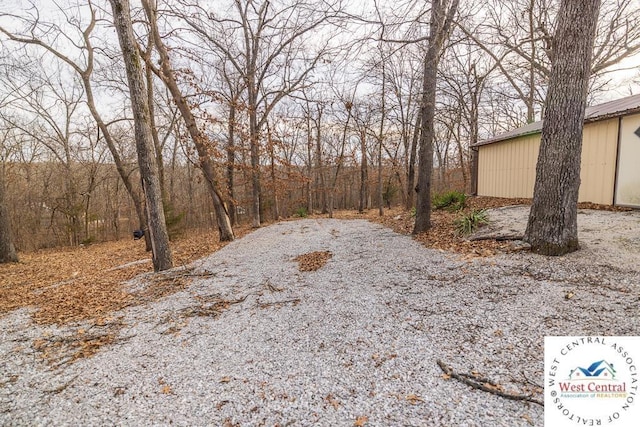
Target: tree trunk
[(552, 228), (310, 166), (154, 131), (231, 161), (411, 173), (274, 179), (364, 173), (440, 24), (474, 171), (322, 187), (161, 251), (340, 160), (7, 250), (198, 138), (380, 142), (254, 151)]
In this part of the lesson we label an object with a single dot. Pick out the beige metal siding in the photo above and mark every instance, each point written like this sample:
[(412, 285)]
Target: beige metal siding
[(628, 183), (598, 167), (508, 168)]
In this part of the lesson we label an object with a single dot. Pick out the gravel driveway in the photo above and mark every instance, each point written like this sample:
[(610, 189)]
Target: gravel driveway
[(353, 343)]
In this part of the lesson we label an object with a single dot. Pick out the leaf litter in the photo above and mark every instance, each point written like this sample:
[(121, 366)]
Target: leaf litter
[(82, 287)]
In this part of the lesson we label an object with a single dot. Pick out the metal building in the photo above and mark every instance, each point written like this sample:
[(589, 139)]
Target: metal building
[(610, 164)]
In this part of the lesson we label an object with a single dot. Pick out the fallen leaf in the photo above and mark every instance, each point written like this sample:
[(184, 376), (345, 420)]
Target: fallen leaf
[(361, 421), (225, 379), (312, 261), (446, 376), (166, 389), (413, 399), (527, 417), (332, 400)]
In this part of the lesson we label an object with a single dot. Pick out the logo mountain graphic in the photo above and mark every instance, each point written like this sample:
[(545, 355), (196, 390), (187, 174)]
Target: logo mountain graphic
[(601, 370)]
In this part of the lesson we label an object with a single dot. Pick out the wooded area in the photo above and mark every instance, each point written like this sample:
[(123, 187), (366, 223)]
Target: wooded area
[(254, 110)]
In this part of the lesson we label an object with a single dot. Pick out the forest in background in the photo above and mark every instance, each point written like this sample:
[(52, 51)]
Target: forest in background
[(304, 105)]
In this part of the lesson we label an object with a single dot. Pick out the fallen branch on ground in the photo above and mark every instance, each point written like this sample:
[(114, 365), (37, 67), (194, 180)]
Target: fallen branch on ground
[(484, 384), (293, 301)]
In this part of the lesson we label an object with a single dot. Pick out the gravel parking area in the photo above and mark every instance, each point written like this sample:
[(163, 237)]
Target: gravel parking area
[(256, 341)]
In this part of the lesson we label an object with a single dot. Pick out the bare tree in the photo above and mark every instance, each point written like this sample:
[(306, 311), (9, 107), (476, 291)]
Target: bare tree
[(442, 14), (167, 75), (552, 228), (267, 44), (7, 248), (517, 35), (341, 146), (161, 252), (85, 72), (362, 119), (380, 136)]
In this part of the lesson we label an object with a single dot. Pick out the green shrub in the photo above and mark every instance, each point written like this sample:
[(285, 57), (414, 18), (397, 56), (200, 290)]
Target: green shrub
[(451, 200), (301, 212), (413, 212), (468, 223)]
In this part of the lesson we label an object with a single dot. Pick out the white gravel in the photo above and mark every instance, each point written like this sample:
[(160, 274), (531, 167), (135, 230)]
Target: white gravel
[(358, 338)]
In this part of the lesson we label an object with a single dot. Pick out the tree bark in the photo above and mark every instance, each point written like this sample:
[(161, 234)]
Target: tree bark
[(160, 249), (411, 173), (321, 186), (339, 162), (198, 138), (364, 173), (440, 24), (7, 249), (231, 161), (552, 228), (380, 141)]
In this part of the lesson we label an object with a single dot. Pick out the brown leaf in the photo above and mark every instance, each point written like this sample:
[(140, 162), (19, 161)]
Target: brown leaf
[(329, 398), (312, 261), (413, 399), (361, 421)]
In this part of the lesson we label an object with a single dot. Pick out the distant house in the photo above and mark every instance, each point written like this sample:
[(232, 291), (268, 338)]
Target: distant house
[(610, 164)]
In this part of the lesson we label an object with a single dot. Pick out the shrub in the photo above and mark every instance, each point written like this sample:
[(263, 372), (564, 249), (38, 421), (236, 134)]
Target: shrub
[(451, 200), (301, 212), (468, 223)]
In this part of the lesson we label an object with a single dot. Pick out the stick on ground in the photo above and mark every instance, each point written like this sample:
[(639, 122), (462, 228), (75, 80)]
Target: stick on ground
[(485, 385)]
